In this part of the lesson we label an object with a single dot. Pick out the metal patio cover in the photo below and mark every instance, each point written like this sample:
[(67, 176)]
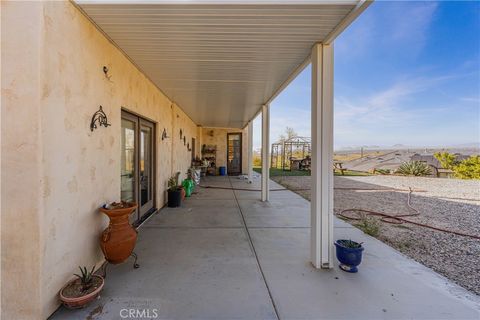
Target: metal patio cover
[(221, 60)]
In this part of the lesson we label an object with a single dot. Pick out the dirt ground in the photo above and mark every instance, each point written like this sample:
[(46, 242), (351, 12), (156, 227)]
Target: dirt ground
[(446, 203)]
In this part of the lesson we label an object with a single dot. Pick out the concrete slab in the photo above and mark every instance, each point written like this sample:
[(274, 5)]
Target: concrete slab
[(284, 213), (388, 285), (186, 274), (201, 193), (196, 213), (197, 263), (280, 213), (274, 195)]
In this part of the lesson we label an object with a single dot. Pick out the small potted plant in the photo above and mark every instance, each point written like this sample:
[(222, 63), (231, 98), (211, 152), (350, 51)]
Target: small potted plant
[(174, 191), (349, 253), (82, 290)]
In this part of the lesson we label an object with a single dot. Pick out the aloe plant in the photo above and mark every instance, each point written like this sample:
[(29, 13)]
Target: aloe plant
[(414, 168), (86, 277), (173, 182)]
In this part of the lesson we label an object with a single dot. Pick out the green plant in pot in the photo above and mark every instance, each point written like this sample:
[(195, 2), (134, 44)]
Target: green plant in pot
[(174, 191), (82, 290)]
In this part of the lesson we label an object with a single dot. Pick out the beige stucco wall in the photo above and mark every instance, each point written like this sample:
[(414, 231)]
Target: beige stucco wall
[(219, 138), (55, 172), (21, 166)]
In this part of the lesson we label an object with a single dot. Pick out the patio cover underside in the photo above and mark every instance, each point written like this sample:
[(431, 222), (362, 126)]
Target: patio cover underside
[(220, 60)]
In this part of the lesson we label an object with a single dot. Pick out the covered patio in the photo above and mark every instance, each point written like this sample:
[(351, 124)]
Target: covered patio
[(227, 255), (183, 69)]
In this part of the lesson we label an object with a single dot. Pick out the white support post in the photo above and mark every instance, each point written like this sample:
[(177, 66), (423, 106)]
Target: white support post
[(322, 157), (265, 151), (250, 151)]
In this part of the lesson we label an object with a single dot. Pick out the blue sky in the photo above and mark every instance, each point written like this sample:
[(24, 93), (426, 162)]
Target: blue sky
[(405, 73)]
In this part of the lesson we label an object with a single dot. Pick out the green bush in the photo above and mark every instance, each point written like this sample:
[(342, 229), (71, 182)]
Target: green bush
[(468, 168), (447, 160), (414, 168)]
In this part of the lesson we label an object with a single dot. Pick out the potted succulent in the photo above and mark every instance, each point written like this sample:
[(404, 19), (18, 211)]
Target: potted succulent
[(349, 253), (82, 290), (174, 191)]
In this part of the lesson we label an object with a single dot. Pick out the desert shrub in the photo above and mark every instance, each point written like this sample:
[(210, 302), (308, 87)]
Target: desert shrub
[(370, 226), (414, 168), (381, 171), (257, 161), (468, 168), (447, 160)]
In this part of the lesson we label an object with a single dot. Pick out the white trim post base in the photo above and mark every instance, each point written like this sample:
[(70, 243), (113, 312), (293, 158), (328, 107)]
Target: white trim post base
[(322, 247)]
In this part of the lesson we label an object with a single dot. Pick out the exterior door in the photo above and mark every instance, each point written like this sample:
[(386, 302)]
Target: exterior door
[(234, 153), (137, 164)]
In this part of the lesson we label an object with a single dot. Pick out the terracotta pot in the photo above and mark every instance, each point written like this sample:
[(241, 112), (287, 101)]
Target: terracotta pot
[(118, 239), (80, 302)]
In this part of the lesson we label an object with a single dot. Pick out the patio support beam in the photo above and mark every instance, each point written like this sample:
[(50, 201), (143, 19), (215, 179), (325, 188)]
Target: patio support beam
[(265, 151), (322, 156), (250, 151)]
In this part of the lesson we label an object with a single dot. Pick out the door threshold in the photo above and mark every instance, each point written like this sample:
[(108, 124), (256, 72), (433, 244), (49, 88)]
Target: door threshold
[(137, 224)]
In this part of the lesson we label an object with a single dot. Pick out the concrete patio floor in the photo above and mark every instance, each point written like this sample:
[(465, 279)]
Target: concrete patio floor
[(226, 255)]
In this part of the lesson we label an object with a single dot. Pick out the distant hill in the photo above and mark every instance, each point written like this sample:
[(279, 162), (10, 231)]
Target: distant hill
[(471, 145), (399, 146)]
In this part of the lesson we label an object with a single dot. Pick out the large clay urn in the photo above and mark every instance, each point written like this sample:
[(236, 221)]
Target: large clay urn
[(118, 239)]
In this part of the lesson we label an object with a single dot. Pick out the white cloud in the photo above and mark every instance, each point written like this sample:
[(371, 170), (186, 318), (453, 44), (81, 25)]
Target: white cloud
[(391, 115)]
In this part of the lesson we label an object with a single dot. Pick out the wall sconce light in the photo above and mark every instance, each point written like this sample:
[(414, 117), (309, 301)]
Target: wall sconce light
[(188, 147), (184, 141), (164, 134), (181, 132), (99, 117)]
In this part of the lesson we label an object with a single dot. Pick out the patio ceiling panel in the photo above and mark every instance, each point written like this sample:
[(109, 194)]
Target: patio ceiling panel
[(219, 60)]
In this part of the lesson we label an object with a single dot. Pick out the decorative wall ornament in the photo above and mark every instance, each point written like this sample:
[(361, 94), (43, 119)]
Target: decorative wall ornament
[(188, 147), (99, 117), (105, 71), (184, 141), (181, 133), (164, 134)]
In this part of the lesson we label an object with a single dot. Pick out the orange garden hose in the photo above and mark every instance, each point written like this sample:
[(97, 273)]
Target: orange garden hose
[(384, 217)]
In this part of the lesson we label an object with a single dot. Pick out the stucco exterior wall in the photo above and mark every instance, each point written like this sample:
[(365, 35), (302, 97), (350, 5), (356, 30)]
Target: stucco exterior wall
[(182, 158), (55, 171), (21, 166), (218, 137)]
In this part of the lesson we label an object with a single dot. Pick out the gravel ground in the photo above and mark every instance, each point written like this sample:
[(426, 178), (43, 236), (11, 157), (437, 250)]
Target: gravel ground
[(446, 203)]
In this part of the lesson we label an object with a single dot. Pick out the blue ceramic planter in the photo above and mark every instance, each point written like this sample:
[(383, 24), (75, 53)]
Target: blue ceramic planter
[(349, 258)]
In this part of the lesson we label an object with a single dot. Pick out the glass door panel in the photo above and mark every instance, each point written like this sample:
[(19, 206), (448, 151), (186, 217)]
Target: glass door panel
[(146, 167), (128, 161), (234, 153)]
